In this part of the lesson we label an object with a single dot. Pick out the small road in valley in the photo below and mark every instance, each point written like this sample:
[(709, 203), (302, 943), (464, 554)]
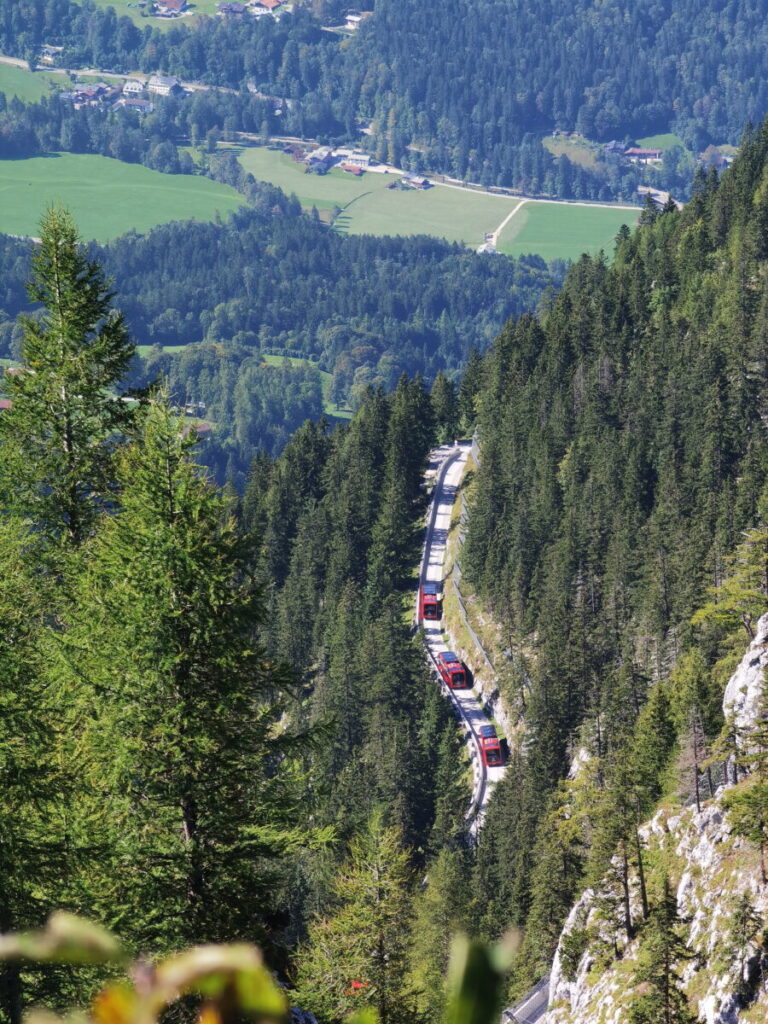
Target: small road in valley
[(448, 464), (446, 468)]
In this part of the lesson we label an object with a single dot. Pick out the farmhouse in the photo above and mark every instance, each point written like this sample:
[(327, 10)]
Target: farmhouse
[(353, 159), (320, 159), (171, 8), (48, 54), (163, 85), (415, 181), (141, 106), (353, 19), (133, 87), (642, 156), (267, 5)]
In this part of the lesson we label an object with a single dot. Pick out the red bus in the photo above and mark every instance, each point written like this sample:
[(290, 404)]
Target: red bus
[(490, 746), (452, 670), (429, 603)]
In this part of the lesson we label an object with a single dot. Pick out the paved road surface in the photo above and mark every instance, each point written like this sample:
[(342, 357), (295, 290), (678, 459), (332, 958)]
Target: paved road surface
[(448, 463)]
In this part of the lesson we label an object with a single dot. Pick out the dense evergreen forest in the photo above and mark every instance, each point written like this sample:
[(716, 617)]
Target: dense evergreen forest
[(363, 309), (216, 713), (166, 643), (622, 485), (694, 68)]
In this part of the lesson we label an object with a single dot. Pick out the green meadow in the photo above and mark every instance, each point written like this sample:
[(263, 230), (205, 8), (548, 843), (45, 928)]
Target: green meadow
[(453, 214), (553, 230), (106, 197), (27, 85), (667, 140), (337, 188), (130, 9), (562, 231)]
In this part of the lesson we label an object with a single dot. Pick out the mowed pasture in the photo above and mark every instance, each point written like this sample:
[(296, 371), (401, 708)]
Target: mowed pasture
[(563, 231), (130, 9), (552, 230), (336, 188), (27, 85), (106, 197)]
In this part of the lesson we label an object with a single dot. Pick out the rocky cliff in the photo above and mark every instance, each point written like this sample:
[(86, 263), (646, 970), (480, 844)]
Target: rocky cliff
[(724, 970)]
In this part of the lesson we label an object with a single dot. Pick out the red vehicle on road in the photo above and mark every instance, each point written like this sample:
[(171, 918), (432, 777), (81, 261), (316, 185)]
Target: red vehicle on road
[(490, 746), (429, 601), (452, 670)]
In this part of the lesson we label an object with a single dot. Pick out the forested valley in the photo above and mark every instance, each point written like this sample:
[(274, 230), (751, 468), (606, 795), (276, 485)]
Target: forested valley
[(230, 729), (693, 68), (365, 310)]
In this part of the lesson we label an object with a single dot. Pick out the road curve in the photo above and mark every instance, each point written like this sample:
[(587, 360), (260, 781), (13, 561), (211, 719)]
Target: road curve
[(446, 467), (448, 464)]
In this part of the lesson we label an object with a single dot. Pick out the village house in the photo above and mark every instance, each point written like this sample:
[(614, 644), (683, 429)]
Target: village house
[(141, 106), (642, 156), (170, 8), (353, 19), (415, 181), (49, 54), (133, 87), (267, 5), (320, 159), (229, 10), (354, 159), (163, 85)]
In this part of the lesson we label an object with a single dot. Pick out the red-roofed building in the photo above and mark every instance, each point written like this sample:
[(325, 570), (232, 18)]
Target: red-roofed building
[(5, 403), (269, 5)]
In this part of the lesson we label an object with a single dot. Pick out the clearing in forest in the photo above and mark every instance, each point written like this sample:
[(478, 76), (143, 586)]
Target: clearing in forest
[(563, 230), (550, 229), (27, 85), (106, 197)]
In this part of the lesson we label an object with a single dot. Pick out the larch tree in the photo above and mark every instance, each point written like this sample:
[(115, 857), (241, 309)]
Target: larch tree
[(59, 436), (177, 707), (357, 955)]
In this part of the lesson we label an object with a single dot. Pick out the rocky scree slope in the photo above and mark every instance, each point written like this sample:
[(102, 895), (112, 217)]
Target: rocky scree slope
[(724, 977)]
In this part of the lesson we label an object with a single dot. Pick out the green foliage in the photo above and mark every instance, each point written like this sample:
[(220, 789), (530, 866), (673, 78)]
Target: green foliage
[(623, 449), (58, 438), (658, 998), (573, 945), (175, 708), (358, 954)]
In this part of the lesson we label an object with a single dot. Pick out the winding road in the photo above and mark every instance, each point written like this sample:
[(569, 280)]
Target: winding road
[(448, 464), (446, 467)]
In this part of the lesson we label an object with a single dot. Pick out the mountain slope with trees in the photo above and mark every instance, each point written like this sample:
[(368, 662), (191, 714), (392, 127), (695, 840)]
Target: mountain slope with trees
[(623, 457)]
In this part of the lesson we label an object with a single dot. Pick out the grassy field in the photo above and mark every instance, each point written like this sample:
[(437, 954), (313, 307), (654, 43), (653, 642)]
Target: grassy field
[(578, 149), (325, 382), (665, 141), (337, 188), (106, 197), (134, 13), (27, 85), (560, 231), (445, 212), (553, 230)]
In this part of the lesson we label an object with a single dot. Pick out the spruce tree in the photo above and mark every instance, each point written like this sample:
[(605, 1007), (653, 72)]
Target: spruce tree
[(662, 1001), (58, 438)]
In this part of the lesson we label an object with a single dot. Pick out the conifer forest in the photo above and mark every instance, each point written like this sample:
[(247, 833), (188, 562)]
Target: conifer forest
[(232, 784)]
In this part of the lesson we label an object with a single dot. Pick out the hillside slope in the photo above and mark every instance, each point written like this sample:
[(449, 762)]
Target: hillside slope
[(721, 902), (624, 455)]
